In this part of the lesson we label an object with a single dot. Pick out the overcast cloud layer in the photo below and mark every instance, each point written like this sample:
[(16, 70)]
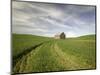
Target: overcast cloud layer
[(49, 19)]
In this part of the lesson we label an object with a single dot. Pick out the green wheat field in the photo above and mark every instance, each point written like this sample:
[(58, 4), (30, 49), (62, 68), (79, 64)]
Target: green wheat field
[(32, 54)]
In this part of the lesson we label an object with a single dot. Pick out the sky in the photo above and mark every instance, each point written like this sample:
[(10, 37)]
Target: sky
[(48, 19)]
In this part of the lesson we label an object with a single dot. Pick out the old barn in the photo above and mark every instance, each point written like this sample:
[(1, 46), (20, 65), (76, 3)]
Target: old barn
[(60, 36)]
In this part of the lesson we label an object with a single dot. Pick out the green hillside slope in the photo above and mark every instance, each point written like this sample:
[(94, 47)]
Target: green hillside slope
[(42, 54), (86, 37), (21, 42)]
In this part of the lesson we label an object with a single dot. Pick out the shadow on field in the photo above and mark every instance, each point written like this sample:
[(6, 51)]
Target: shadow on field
[(26, 51)]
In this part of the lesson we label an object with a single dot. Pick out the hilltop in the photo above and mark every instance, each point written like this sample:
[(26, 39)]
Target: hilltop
[(86, 37)]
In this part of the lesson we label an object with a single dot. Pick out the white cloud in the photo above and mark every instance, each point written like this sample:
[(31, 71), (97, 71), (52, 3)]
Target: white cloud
[(48, 19)]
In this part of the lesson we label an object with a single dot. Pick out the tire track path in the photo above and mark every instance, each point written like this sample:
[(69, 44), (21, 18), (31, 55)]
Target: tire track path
[(70, 62), (46, 57), (65, 60)]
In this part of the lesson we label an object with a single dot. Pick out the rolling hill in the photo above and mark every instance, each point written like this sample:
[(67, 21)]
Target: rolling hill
[(85, 37), (42, 54)]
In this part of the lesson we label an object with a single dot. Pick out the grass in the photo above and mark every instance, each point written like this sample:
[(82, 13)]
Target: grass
[(20, 42), (87, 37), (53, 54), (82, 50)]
